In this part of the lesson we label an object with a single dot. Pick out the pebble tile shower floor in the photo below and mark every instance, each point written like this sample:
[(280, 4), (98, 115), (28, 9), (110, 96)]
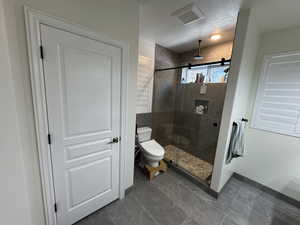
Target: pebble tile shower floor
[(171, 199), (194, 165)]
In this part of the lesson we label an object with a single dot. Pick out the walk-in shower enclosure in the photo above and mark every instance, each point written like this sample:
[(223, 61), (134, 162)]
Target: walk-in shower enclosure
[(187, 110)]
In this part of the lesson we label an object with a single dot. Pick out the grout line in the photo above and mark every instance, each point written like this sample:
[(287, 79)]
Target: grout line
[(146, 211)]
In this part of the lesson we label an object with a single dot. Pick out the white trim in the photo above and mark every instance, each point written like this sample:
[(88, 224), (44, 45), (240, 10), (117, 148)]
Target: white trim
[(261, 81), (33, 19)]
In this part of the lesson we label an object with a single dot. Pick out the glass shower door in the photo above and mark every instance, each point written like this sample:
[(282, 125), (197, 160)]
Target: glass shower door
[(187, 115)]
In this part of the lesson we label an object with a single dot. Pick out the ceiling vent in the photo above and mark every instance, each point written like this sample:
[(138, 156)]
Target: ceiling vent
[(188, 14)]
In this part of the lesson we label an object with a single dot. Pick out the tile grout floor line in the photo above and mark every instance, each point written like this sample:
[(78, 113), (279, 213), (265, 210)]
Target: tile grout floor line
[(172, 199)]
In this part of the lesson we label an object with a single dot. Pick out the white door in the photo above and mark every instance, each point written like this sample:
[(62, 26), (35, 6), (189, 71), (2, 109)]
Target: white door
[(82, 82)]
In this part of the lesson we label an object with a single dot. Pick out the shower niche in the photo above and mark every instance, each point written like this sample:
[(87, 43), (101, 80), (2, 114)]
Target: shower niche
[(201, 106)]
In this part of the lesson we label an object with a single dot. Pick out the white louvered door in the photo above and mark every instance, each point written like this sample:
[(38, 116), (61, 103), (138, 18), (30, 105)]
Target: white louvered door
[(277, 106)]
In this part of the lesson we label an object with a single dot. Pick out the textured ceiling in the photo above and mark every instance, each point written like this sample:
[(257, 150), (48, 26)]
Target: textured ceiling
[(157, 24)]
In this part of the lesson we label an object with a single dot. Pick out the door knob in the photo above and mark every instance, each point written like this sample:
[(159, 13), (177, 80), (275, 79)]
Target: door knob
[(114, 140)]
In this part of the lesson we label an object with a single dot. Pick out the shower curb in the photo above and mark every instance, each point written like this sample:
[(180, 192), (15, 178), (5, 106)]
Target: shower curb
[(201, 184)]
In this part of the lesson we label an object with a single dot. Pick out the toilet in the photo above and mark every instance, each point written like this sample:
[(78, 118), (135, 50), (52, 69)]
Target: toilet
[(152, 151)]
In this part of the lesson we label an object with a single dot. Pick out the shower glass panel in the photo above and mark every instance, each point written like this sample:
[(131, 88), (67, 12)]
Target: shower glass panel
[(187, 115)]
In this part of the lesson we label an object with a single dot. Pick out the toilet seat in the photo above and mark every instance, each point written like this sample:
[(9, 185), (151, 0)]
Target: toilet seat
[(153, 148)]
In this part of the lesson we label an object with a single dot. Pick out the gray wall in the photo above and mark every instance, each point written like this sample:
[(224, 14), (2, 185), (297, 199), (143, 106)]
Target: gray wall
[(210, 54), (144, 119)]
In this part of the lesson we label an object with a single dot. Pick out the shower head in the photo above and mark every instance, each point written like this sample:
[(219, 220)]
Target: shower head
[(198, 56)]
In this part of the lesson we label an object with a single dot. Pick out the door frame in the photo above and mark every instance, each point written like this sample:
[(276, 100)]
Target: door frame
[(33, 20)]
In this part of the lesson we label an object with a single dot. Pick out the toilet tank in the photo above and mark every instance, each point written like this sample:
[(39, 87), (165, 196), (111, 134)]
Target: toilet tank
[(144, 134)]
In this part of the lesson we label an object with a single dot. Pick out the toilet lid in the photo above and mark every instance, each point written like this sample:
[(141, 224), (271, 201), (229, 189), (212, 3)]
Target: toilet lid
[(153, 148)]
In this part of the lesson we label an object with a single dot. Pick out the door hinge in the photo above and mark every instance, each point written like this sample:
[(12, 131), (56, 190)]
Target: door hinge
[(42, 52), (49, 139), (55, 207)]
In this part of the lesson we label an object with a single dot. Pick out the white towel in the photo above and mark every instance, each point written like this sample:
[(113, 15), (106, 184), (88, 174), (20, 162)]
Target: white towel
[(236, 145)]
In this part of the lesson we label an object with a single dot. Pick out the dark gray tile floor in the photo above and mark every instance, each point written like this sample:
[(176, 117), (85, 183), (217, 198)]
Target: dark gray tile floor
[(171, 199)]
